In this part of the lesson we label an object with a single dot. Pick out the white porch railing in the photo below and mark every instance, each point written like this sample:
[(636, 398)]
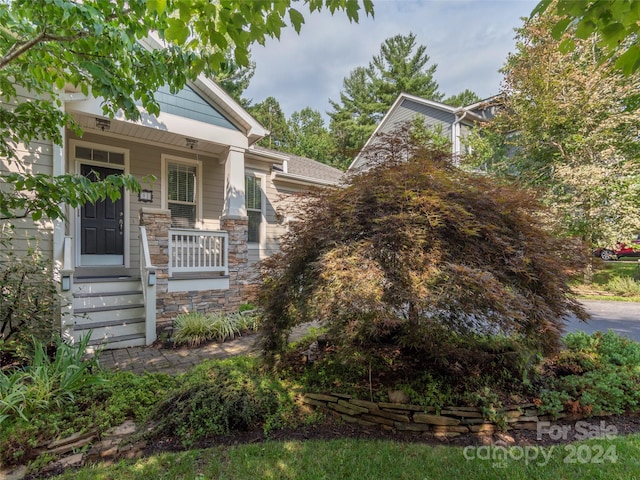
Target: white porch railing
[(148, 277), (198, 251)]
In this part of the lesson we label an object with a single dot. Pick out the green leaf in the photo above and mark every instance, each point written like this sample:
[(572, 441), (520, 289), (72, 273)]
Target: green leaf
[(613, 34), (560, 27), (178, 32), (296, 19), (567, 45), (241, 57), (585, 29), (629, 61), (158, 6), (540, 8)]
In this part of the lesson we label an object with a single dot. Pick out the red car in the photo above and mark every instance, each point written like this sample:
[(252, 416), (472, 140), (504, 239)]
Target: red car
[(620, 250)]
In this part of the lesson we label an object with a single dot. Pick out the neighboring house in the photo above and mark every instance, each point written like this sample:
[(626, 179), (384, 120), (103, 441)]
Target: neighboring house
[(189, 240), (454, 123)]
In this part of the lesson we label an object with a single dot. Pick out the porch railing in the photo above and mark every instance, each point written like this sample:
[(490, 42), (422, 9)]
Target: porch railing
[(198, 251), (148, 277)]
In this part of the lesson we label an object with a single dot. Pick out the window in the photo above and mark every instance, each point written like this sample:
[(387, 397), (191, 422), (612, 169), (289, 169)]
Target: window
[(103, 156), (253, 195), (181, 194)]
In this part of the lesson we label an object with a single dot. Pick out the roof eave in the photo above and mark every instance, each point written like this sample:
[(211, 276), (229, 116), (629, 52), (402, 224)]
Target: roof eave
[(303, 179)]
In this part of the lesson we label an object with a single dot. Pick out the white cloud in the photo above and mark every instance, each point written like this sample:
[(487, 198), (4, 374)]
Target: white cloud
[(469, 41)]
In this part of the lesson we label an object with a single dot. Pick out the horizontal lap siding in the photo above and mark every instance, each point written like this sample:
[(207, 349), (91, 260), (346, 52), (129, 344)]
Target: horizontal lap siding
[(145, 160), (433, 117), (36, 157)]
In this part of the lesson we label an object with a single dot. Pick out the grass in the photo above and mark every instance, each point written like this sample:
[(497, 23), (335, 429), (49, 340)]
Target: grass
[(358, 459), (612, 281)]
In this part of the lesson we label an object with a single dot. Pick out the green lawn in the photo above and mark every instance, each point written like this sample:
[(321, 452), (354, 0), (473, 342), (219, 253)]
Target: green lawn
[(363, 459), (606, 284)]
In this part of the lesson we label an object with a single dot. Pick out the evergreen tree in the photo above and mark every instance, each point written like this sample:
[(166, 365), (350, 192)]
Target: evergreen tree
[(235, 78), (270, 115), (310, 138), (462, 99), (368, 92)]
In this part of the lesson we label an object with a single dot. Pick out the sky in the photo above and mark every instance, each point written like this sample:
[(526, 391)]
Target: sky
[(469, 40)]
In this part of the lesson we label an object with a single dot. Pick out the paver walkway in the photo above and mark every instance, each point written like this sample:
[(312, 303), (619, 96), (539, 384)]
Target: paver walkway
[(177, 360)]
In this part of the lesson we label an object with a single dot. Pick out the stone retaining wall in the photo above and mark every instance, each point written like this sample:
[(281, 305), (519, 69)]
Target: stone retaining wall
[(450, 422)]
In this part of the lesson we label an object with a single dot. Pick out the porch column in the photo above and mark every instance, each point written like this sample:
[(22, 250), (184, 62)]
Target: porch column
[(236, 222), (234, 202)]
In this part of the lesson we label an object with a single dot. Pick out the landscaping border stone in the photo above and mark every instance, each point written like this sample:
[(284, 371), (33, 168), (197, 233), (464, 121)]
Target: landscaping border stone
[(451, 421)]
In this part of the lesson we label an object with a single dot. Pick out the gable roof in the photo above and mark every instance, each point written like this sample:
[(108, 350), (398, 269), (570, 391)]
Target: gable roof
[(220, 100), (465, 115), (297, 169)]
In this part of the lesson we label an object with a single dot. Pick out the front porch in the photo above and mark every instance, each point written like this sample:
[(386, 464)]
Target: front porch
[(180, 270)]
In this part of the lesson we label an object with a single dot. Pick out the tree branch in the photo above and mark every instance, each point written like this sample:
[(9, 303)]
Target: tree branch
[(20, 48)]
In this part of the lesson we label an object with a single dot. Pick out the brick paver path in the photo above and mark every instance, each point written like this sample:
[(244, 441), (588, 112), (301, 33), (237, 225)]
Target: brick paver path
[(177, 360)]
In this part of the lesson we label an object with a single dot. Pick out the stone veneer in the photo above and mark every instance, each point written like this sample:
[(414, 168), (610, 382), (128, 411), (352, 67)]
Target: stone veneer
[(450, 422), (170, 304)]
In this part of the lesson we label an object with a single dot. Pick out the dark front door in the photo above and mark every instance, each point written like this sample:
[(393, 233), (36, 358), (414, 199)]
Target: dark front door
[(102, 224)]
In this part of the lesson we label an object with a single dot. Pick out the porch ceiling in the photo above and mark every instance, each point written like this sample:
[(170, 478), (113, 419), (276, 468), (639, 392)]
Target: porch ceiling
[(147, 135)]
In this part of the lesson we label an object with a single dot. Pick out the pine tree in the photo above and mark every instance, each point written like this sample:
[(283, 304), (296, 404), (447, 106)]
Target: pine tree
[(368, 92)]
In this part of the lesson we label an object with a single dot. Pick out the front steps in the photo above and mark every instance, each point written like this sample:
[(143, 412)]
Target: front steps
[(111, 308)]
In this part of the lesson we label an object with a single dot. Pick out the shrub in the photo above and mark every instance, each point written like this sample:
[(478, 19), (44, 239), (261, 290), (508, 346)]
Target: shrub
[(30, 302), (624, 286), (218, 397), (596, 373), (196, 328), (418, 255), (247, 321), (96, 407)]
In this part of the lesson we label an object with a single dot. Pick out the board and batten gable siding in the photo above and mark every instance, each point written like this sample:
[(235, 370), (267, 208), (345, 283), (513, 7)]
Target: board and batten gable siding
[(187, 103), (146, 159)]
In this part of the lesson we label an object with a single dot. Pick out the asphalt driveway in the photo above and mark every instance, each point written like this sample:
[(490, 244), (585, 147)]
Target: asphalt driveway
[(621, 317)]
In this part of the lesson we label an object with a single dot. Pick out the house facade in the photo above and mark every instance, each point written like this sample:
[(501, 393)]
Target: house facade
[(212, 205), (454, 123)]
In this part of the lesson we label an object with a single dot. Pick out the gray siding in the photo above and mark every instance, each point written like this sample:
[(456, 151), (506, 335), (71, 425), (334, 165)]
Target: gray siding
[(187, 103), (433, 117), (36, 157), (406, 112)]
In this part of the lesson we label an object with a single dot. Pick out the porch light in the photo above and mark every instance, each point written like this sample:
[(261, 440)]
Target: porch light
[(152, 279), (145, 195), (103, 124), (191, 143), (66, 283)]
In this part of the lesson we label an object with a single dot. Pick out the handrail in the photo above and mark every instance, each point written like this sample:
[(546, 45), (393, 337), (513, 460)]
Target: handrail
[(148, 276)]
